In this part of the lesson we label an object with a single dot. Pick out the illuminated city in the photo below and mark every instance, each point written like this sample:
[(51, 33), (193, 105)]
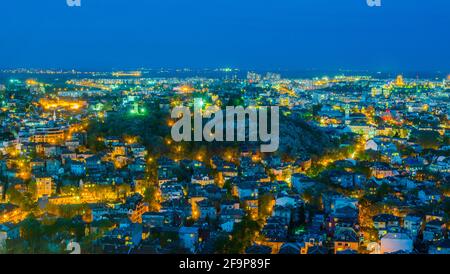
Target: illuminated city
[(363, 165), (89, 163)]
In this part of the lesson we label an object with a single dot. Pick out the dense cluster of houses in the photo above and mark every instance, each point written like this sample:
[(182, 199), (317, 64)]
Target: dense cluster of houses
[(386, 193)]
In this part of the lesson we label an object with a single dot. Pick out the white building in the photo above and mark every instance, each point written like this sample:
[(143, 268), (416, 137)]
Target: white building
[(371, 145), (394, 242)]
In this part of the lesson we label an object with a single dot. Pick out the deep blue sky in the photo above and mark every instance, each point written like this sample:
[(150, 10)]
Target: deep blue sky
[(402, 35)]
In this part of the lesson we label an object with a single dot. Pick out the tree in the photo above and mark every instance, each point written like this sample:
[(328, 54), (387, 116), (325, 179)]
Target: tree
[(383, 190), (301, 215), (152, 196), (427, 139), (298, 137), (24, 200), (32, 232), (265, 205), (243, 236)]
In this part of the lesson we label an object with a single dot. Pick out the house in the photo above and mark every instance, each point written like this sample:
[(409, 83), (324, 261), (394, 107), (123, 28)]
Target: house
[(171, 191), (137, 165), (282, 171), (258, 249), (45, 185), (345, 238), (229, 204), (362, 128), (292, 248), (383, 222), (119, 149), (226, 173), (227, 226), (434, 231), (284, 213), (189, 238), (371, 145), (429, 196), (138, 150), (77, 168), (341, 201), (381, 170), (202, 179), (311, 239), (301, 182), (154, 219), (247, 190), (442, 247), (135, 207), (251, 205), (275, 233), (125, 236), (109, 140), (414, 164), (372, 186), (249, 168), (8, 231), (332, 201), (138, 182), (166, 169), (348, 251), (412, 224), (431, 216), (291, 200), (94, 164), (274, 187), (317, 222), (99, 211), (395, 242), (72, 145), (234, 215), (317, 250), (225, 170), (342, 178), (302, 164), (48, 150), (37, 165), (441, 164), (214, 192), (343, 217), (52, 166), (207, 209)]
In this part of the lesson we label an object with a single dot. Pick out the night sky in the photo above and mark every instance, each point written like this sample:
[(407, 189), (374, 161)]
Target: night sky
[(402, 35)]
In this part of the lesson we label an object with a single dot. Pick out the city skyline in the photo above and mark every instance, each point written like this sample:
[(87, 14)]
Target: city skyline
[(227, 127), (217, 73)]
